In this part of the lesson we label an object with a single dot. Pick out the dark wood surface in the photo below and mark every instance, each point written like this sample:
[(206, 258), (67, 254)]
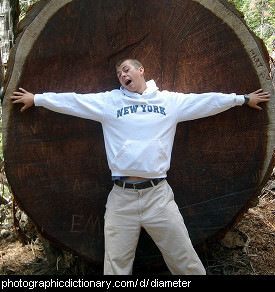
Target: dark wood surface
[(56, 164)]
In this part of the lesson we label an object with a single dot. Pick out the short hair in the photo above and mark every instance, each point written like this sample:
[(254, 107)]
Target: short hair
[(135, 62)]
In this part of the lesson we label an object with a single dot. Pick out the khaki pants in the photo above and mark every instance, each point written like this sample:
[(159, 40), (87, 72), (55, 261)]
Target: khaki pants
[(155, 210)]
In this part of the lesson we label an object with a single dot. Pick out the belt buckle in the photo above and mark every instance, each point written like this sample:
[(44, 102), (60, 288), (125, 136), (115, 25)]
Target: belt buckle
[(134, 186)]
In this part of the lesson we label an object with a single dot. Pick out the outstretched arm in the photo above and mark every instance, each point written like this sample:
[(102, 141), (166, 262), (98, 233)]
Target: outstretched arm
[(257, 97), (23, 96), (89, 106)]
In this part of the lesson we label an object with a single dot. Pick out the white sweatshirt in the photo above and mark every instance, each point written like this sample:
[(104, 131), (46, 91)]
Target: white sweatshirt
[(139, 129)]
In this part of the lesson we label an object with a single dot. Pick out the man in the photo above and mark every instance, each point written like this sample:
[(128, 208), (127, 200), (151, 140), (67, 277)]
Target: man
[(139, 125)]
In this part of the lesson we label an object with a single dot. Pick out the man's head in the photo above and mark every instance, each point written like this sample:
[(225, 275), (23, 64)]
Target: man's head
[(130, 73)]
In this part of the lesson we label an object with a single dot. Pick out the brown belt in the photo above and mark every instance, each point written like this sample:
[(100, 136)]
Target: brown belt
[(140, 185)]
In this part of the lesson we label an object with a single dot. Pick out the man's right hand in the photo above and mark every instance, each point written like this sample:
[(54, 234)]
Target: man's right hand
[(23, 96)]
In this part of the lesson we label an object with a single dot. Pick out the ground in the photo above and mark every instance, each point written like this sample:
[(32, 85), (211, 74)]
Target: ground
[(248, 249)]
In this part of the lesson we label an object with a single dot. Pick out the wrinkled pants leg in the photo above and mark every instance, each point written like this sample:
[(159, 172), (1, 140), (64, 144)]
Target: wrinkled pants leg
[(121, 231), (166, 227)]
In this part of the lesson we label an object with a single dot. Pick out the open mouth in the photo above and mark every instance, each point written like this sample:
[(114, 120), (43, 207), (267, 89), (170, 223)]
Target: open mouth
[(128, 82)]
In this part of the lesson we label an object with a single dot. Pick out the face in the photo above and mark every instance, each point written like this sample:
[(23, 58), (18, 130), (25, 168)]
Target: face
[(130, 77)]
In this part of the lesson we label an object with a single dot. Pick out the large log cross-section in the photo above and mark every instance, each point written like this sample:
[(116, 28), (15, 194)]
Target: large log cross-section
[(56, 164)]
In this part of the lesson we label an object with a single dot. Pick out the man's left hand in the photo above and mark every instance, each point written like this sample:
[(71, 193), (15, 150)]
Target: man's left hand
[(257, 97)]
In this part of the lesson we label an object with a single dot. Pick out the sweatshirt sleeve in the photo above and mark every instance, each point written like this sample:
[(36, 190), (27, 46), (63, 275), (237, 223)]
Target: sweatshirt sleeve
[(194, 106), (88, 106)]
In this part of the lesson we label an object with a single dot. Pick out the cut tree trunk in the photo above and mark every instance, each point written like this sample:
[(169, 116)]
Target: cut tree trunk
[(56, 164)]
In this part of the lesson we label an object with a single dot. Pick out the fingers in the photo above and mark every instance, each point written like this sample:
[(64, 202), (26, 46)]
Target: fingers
[(15, 97), (264, 95), (257, 97), (23, 90), (260, 96), (257, 91), (17, 100), (17, 94), (23, 108), (258, 107), (261, 93), (264, 100), (21, 100), (261, 99), (24, 97)]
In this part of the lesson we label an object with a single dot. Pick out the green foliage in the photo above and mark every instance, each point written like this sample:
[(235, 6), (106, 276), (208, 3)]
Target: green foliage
[(24, 5), (260, 17)]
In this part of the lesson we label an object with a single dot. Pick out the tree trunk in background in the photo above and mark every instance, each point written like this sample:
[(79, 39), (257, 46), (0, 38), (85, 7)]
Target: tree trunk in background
[(9, 13), (56, 164)]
